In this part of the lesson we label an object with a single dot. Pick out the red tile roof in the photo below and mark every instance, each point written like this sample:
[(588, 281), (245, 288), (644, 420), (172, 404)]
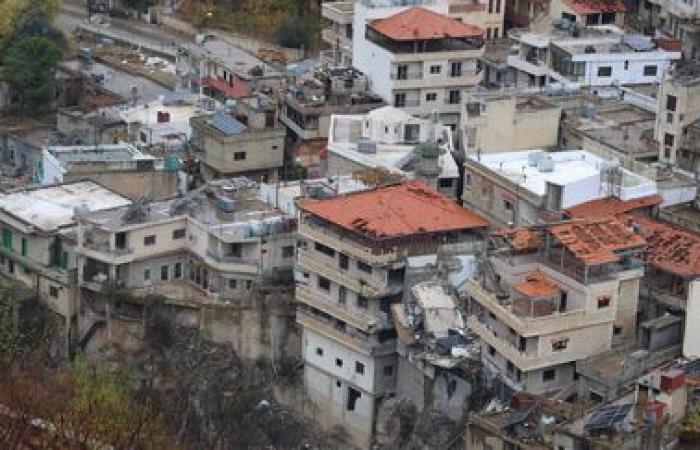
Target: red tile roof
[(670, 248), (239, 89), (596, 6), (419, 23), (596, 241), (537, 284), (611, 206), (395, 211), (520, 239)]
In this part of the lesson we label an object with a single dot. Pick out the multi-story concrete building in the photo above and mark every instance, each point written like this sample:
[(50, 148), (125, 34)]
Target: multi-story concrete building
[(337, 31), (544, 300), (677, 126), (391, 139), (483, 116), (675, 19), (352, 252), (39, 238), (247, 141), (533, 187), (595, 57), (212, 254), (307, 107), (417, 59)]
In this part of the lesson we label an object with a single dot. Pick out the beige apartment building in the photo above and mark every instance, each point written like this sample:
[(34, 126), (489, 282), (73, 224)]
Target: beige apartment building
[(677, 128), (210, 251), (532, 123), (248, 141), (351, 265), (543, 300)]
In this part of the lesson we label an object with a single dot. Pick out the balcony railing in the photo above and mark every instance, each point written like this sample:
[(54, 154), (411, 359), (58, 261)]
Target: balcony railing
[(309, 261), (103, 247), (408, 103), (407, 76), (359, 319)]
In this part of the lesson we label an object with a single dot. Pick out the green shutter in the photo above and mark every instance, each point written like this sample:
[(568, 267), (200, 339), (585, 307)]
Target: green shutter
[(24, 246), (64, 260), (7, 238)]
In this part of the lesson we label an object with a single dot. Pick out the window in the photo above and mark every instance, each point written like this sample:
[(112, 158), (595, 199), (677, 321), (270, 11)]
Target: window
[(239, 156), (353, 396), (248, 284), (342, 294), (508, 205), (607, 18), (617, 330), (53, 291), (359, 367), (364, 267), (560, 344), (492, 351), (177, 270), (454, 97), (7, 238), (667, 153), (324, 283), (64, 260), (445, 183), (627, 65), (24, 246), (605, 71), (400, 100), (338, 362), (146, 274), (149, 240), (287, 251), (319, 351), (179, 233), (388, 370), (488, 33), (362, 302), (549, 375), (668, 140), (435, 69), (650, 71), (164, 273), (411, 132), (326, 250), (495, 36), (669, 117), (343, 261), (456, 69), (490, 6), (430, 97), (498, 6), (603, 301), (402, 72), (232, 284), (670, 103)]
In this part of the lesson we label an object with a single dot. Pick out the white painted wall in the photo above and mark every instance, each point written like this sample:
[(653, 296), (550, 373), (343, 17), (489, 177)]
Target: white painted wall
[(633, 74), (691, 338)]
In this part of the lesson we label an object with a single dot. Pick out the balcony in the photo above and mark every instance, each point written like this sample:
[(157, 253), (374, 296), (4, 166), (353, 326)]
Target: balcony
[(349, 246), (536, 326), (338, 12), (358, 343), (333, 38), (362, 320), (232, 263), (310, 262), (520, 359), (532, 66)]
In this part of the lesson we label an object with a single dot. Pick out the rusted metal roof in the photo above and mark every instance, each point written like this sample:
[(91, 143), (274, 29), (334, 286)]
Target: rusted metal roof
[(596, 241), (537, 284), (395, 211), (611, 206), (419, 23), (596, 6)]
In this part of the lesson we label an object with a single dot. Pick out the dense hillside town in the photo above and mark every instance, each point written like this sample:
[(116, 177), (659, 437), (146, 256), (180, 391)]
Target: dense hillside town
[(353, 224)]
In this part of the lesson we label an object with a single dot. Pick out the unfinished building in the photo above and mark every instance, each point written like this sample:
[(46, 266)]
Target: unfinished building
[(350, 270), (544, 299)]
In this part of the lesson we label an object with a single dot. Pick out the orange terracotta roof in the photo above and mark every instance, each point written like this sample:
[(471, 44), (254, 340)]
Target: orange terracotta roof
[(596, 241), (611, 206), (419, 23), (596, 6), (395, 211), (521, 238), (537, 284), (670, 248)]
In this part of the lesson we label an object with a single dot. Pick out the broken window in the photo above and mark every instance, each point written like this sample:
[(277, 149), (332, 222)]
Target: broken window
[(560, 344), (353, 396)]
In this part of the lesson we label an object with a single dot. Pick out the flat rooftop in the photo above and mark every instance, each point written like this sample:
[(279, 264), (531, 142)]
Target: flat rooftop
[(568, 168), (50, 208), (101, 153)]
